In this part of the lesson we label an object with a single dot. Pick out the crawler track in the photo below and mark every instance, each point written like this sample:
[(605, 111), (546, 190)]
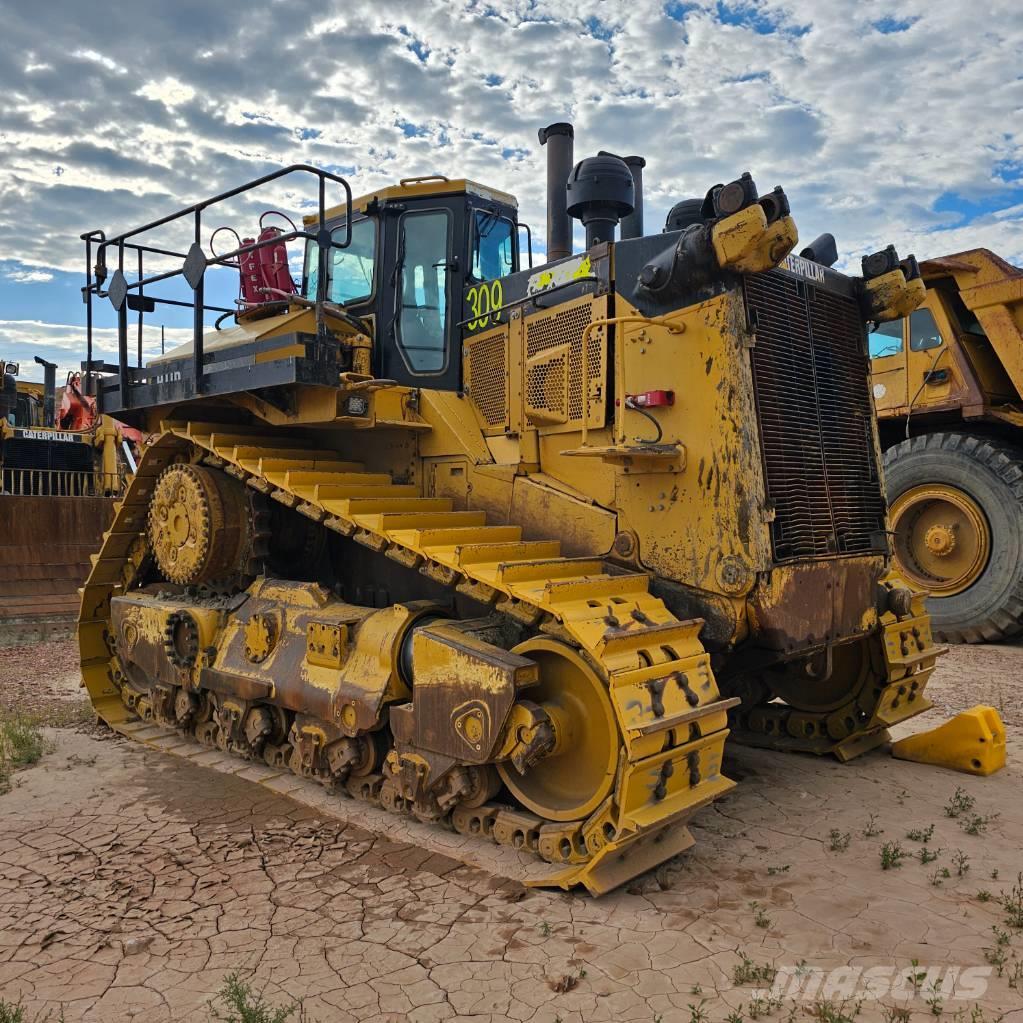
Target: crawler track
[(670, 716)]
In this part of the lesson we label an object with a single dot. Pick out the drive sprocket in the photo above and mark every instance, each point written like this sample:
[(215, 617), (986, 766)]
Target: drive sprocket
[(197, 525)]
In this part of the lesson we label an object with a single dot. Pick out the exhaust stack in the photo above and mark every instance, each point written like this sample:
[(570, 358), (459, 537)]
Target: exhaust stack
[(632, 225), (49, 391), (559, 138)]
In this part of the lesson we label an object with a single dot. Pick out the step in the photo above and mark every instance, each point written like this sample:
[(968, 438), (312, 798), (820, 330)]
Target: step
[(390, 522), (351, 507), (453, 537), (317, 477), (252, 442), (280, 466), (201, 432), (597, 588), (506, 553), (336, 500), (543, 569), (237, 453)]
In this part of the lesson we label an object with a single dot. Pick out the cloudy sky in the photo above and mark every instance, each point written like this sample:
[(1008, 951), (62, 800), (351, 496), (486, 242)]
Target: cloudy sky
[(884, 121)]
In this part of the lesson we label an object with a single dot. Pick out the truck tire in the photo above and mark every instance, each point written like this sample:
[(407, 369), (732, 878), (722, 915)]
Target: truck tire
[(957, 518)]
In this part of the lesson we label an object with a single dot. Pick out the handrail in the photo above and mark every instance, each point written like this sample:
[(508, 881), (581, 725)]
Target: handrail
[(193, 269), (26, 482)]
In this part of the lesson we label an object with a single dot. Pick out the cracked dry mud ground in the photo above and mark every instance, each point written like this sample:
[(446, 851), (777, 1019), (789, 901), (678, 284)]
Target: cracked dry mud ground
[(131, 882)]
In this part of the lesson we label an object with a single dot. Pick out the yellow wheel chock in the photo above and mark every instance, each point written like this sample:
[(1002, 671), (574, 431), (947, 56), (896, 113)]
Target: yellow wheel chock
[(973, 742)]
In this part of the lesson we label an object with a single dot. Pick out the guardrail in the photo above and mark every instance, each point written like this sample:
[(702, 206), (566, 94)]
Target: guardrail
[(137, 295), (59, 483)]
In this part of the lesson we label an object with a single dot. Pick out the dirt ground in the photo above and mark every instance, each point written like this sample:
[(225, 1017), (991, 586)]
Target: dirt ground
[(132, 883)]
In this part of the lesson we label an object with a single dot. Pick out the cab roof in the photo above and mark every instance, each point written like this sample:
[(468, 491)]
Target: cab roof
[(408, 188)]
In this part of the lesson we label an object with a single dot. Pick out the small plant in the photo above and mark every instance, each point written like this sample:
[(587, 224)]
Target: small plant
[(962, 862), (1013, 904), (760, 917), (696, 989), (21, 744), (974, 824), (959, 804), (779, 870), (917, 977), (894, 1014), (840, 840), (872, 829), (697, 1013), (826, 1011), (902, 797), (892, 855), (761, 1006), (244, 1005), (735, 1016), (748, 972), (921, 834), (934, 1003), (997, 957), (545, 928), (926, 855), (1016, 977), (994, 874), (983, 895), (940, 876)]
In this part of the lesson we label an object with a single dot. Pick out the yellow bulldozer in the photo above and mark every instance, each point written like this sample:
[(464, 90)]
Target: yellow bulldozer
[(61, 468), (510, 548), (948, 384)]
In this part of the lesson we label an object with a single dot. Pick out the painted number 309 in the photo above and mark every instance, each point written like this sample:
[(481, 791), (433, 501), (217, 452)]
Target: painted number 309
[(485, 300)]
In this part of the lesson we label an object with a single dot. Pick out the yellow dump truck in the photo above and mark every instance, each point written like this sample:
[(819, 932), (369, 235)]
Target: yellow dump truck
[(948, 385), (511, 548)]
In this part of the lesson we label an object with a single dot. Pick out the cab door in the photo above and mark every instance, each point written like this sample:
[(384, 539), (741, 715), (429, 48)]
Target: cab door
[(422, 294), (888, 366), (927, 358)]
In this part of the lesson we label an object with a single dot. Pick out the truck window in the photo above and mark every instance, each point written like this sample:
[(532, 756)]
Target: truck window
[(923, 331), (493, 254), (886, 339), (423, 289), (351, 269)]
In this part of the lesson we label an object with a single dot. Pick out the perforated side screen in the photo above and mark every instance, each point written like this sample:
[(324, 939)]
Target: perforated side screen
[(566, 327)]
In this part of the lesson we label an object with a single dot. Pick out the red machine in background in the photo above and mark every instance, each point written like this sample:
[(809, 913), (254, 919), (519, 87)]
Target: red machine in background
[(77, 410)]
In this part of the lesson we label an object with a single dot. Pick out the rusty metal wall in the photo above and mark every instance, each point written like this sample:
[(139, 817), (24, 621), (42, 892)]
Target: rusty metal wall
[(45, 543)]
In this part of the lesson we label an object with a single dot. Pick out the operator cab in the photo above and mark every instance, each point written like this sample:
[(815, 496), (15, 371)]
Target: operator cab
[(416, 270)]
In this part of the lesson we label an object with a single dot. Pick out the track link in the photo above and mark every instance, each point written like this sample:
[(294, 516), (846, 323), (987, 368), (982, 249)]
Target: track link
[(672, 720)]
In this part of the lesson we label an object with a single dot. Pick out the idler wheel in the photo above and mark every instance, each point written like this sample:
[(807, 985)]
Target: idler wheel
[(573, 780)]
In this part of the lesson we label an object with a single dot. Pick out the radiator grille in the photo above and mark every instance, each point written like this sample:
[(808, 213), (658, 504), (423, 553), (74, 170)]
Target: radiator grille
[(810, 376)]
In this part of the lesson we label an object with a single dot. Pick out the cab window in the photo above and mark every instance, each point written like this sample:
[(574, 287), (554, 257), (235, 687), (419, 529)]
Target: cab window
[(923, 331), (493, 253), (423, 289), (351, 268), (886, 339)]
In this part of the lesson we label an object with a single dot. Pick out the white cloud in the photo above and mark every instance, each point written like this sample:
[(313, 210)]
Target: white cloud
[(880, 128), (168, 91), (64, 344), (29, 276)]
